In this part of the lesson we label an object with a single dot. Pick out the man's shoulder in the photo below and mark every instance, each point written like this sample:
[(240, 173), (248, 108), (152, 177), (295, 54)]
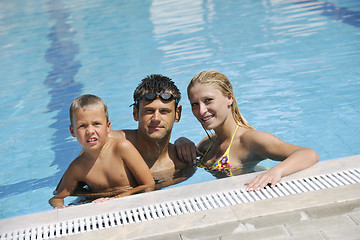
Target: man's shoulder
[(117, 134), (126, 134), (129, 133), (173, 156)]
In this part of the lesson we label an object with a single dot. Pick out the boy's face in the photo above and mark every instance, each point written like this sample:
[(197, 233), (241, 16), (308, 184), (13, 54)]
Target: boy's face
[(156, 118), (90, 127)]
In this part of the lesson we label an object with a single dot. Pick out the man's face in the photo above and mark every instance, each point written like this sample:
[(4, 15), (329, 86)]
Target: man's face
[(156, 118)]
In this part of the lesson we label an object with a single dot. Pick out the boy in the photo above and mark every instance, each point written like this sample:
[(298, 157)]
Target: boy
[(106, 164)]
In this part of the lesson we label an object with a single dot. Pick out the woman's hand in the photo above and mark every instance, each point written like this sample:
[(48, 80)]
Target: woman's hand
[(271, 177)]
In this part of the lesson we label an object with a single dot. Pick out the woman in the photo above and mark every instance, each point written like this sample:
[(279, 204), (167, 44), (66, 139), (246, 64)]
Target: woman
[(236, 147)]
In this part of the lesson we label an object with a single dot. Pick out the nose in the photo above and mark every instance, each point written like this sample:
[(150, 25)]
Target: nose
[(155, 116), (90, 129), (202, 109)]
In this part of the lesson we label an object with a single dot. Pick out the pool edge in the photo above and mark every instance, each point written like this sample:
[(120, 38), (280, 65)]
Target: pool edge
[(323, 167)]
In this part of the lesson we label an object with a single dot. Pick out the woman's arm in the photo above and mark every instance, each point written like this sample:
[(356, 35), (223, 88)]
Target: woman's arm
[(293, 158)]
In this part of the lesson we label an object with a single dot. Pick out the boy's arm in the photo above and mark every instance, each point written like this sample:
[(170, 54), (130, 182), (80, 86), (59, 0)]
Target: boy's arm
[(66, 186), (138, 168)]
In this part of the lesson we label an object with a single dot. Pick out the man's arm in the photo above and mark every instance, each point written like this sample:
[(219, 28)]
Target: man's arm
[(186, 150)]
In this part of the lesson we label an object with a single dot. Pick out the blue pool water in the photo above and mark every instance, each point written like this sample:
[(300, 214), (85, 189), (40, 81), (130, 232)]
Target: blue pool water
[(295, 68)]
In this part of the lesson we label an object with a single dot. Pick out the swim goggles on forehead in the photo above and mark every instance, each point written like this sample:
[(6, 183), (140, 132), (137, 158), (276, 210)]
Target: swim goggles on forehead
[(150, 96)]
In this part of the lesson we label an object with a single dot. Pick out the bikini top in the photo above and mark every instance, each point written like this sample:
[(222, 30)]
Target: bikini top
[(223, 164)]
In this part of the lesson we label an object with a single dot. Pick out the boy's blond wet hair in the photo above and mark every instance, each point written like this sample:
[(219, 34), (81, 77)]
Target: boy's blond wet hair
[(222, 83), (85, 101)]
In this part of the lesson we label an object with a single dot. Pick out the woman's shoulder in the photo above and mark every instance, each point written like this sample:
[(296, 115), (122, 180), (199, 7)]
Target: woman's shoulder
[(255, 136), (259, 141), (205, 143)]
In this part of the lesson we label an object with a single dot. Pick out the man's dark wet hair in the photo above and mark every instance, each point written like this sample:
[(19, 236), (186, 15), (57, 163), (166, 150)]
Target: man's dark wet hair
[(156, 83)]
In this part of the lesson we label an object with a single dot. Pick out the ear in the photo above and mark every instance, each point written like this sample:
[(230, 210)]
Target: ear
[(108, 127), (230, 99), (72, 131), (135, 113), (178, 113)]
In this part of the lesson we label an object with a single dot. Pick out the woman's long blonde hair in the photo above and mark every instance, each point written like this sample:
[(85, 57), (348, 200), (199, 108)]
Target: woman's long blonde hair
[(222, 83)]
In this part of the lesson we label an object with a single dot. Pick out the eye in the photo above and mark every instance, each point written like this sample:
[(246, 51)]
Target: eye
[(194, 105), (165, 111), (82, 126), (149, 111), (208, 100), (97, 123)]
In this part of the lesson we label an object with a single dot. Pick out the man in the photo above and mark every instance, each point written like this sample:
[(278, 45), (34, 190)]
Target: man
[(156, 108)]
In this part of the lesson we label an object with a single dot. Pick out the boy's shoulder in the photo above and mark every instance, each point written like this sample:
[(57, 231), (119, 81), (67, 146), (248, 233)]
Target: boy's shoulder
[(77, 166), (78, 161), (120, 146)]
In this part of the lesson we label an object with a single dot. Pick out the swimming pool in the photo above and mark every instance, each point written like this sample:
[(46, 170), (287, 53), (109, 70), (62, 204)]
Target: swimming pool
[(295, 68)]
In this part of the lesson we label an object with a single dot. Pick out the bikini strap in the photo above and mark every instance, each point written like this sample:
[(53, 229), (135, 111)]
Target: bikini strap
[(207, 150), (234, 135), (212, 143)]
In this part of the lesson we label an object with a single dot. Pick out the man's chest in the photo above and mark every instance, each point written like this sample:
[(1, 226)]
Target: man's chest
[(163, 170)]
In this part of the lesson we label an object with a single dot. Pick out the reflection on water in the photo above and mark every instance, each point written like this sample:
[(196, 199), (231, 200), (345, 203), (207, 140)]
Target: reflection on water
[(63, 89), (294, 67), (176, 25)]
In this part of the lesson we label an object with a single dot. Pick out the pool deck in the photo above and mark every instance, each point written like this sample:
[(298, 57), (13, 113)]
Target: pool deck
[(332, 213)]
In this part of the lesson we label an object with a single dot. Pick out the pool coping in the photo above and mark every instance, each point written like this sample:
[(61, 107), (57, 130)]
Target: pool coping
[(198, 219)]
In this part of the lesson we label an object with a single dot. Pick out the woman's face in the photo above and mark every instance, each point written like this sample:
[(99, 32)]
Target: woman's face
[(209, 105)]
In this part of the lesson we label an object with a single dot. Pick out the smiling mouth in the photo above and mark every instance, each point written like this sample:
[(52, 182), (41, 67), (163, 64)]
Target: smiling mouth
[(205, 119)]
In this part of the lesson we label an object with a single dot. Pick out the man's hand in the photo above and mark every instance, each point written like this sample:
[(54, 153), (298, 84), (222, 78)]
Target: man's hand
[(187, 150)]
